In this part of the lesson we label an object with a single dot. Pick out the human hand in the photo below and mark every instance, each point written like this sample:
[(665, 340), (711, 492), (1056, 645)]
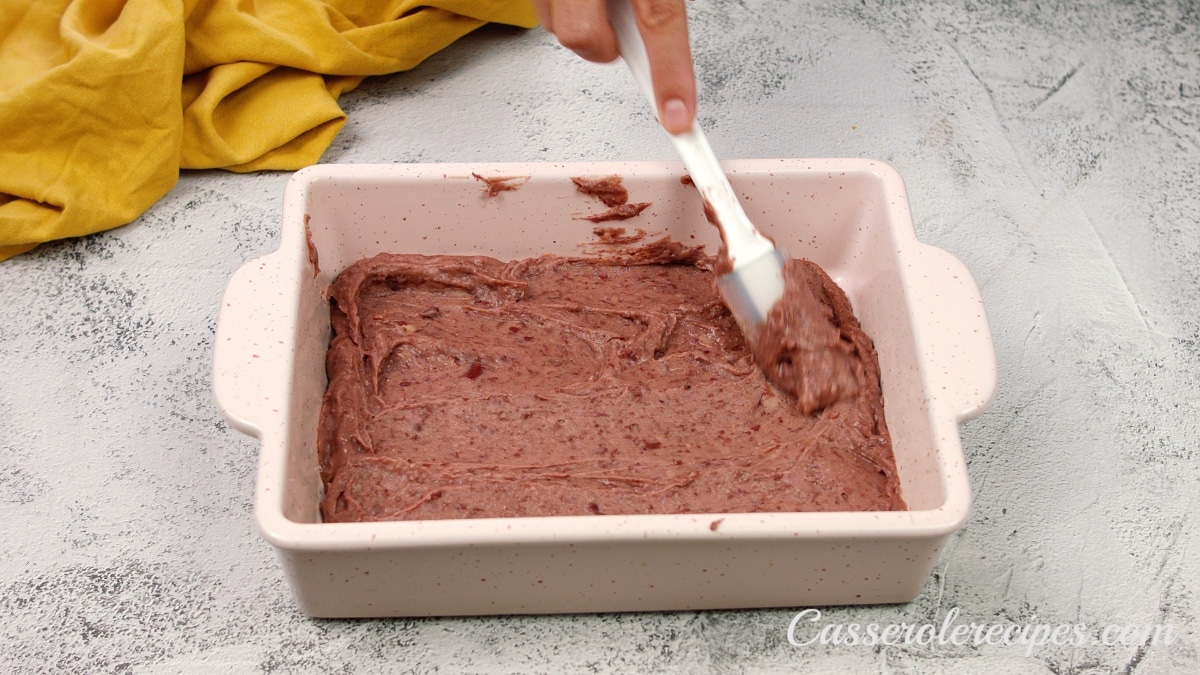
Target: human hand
[(583, 27)]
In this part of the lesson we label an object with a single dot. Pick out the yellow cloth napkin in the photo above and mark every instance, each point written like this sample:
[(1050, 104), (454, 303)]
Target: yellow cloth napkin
[(102, 102)]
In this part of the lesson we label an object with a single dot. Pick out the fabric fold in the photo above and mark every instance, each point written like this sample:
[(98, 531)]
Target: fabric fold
[(102, 102)]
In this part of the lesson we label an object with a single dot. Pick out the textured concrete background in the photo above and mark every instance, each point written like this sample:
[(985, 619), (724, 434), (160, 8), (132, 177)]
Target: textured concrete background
[(1054, 147)]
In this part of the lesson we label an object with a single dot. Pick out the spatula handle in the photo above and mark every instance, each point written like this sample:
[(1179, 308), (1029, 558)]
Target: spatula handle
[(743, 242)]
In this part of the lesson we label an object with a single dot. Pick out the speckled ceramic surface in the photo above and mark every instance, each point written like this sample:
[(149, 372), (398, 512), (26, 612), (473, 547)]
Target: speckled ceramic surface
[(919, 304), (1051, 146)]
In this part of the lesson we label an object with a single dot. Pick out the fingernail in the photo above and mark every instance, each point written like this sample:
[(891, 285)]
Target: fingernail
[(675, 116)]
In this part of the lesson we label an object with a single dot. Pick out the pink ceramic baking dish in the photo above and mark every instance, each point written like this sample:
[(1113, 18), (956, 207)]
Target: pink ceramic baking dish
[(919, 304)]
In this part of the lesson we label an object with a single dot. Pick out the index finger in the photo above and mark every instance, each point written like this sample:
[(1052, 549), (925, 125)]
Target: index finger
[(663, 25)]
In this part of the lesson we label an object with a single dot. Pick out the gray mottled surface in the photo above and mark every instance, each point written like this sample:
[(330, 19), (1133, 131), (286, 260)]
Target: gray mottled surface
[(1054, 147)]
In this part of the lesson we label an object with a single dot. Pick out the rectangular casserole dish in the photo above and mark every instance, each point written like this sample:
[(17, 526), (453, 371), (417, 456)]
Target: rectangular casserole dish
[(918, 303)]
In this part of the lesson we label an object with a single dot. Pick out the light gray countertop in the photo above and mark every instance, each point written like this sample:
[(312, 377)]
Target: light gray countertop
[(1053, 147)]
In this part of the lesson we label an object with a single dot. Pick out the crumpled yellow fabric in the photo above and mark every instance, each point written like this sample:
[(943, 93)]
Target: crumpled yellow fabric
[(102, 102)]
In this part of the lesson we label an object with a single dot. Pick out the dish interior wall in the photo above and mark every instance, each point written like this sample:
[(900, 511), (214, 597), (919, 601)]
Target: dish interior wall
[(842, 221)]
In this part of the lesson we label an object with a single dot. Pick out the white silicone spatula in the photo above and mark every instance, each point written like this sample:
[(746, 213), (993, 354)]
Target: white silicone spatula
[(755, 283)]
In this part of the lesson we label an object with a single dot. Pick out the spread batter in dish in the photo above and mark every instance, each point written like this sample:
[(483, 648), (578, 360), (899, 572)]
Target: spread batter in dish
[(468, 387)]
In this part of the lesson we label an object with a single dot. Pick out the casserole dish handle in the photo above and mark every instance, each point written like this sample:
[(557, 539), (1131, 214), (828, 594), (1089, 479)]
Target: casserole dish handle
[(952, 330), (250, 360)]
